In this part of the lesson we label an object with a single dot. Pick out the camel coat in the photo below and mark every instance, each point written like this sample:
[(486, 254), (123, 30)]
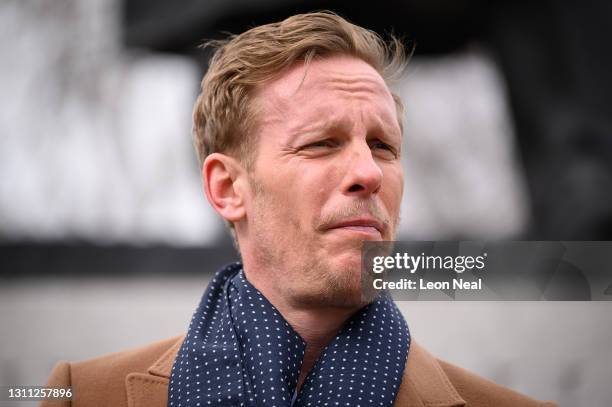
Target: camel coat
[(139, 378)]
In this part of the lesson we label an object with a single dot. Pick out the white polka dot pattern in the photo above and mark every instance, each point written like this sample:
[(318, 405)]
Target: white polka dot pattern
[(239, 351)]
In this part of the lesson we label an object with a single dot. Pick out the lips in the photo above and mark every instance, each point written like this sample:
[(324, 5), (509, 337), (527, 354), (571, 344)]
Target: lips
[(364, 225)]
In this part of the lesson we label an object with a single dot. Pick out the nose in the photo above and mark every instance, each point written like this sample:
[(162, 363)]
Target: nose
[(363, 175)]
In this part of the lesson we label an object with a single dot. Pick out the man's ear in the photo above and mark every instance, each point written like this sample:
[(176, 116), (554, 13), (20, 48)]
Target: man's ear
[(223, 179)]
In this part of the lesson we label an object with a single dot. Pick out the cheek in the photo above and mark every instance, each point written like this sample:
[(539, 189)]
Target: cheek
[(297, 193), (323, 181), (393, 188)]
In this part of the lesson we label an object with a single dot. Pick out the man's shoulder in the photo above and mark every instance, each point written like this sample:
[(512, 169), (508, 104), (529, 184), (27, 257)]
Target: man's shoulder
[(436, 382), (477, 390), (106, 380), (139, 359)]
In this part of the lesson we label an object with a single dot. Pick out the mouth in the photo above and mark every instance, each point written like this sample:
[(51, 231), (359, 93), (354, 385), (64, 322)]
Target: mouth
[(368, 227)]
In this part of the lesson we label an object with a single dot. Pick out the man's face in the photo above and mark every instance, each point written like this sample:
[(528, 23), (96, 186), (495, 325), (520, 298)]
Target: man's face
[(327, 176)]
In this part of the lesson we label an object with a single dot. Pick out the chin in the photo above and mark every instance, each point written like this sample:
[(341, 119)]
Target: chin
[(343, 285), (334, 282)]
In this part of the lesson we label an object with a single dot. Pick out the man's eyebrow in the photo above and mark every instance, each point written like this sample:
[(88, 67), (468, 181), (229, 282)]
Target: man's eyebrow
[(317, 127), (388, 126), (342, 125), (392, 129)]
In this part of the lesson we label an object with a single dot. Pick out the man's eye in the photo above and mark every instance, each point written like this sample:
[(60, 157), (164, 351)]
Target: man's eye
[(379, 145), (382, 145), (321, 143)]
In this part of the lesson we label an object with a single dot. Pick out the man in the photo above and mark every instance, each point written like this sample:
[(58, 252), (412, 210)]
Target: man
[(300, 142)]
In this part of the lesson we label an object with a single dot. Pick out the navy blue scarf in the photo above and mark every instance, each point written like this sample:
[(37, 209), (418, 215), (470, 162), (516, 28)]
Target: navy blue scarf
[(239, 351)]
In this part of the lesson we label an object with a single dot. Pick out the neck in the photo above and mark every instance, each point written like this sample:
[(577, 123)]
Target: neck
[(316, 326)]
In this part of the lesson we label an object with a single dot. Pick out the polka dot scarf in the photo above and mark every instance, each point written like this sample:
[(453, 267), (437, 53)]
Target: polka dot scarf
[(239, 351)]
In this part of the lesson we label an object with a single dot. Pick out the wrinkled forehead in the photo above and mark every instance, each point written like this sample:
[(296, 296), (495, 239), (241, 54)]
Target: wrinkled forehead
[(339, 73), (340, 77)]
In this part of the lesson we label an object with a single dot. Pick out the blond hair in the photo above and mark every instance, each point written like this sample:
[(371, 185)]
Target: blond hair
[(224, 117)]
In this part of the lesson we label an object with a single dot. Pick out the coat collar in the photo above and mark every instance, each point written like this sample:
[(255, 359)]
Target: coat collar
[(151, 389), (163, 366), (424, 383)]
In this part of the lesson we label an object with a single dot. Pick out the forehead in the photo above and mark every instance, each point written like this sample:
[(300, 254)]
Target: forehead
[(327, 83)]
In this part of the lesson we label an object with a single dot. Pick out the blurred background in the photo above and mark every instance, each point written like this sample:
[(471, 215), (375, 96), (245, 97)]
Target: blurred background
[(107, 242)]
